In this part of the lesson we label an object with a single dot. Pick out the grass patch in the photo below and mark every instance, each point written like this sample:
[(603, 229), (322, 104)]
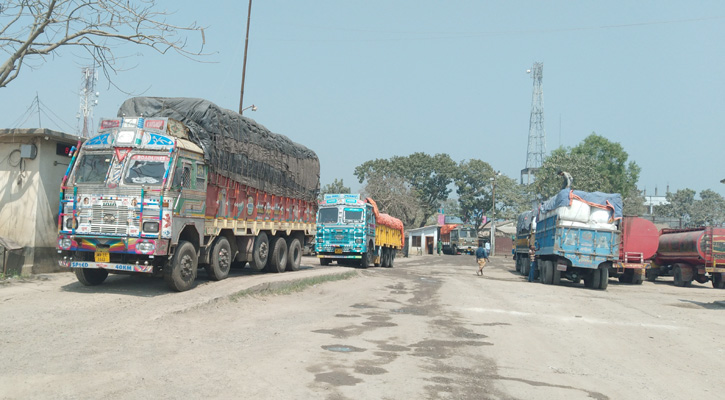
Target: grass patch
[(288, 287)]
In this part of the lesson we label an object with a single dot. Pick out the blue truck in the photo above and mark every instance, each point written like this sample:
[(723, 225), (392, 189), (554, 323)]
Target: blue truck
[(577, 237), (351, 230)]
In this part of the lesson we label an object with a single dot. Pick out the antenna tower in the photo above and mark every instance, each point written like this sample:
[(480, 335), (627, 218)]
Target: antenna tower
[(537, 135), (89, 100)]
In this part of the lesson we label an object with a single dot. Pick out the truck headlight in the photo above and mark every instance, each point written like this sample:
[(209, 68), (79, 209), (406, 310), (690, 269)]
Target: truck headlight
[(65, 243), (145, 247), (358, 241), (151, 226)]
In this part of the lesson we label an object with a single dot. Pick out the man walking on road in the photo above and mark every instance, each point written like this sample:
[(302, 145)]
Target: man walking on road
[(481, 258)]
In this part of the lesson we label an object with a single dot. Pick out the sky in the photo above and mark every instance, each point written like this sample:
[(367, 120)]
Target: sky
[(360, 80)]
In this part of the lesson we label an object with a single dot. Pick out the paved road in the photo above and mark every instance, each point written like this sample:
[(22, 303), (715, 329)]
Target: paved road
[(428, 329)]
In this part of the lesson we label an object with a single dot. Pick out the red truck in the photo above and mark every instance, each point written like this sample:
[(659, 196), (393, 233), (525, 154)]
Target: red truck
[(691, 254), (638, 243)]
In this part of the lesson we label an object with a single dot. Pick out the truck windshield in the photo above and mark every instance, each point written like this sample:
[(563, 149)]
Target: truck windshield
[(146, 170), (327, 215), (353, 215), (93, 167)]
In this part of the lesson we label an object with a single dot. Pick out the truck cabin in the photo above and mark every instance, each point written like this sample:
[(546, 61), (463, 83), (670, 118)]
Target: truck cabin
[(344, 209)]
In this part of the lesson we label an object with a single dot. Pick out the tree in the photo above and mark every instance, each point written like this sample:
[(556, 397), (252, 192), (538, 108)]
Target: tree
[(709, 210), (596, 164), (633, 203), (32, 30), (395, 197), (332, 188), (679, 205), (473, 187), (427, 175)]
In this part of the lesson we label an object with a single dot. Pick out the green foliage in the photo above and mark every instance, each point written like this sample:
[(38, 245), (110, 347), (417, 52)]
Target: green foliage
[(679, 205), (633, 204), (336, 187), (428, 176), (474, 189), (709, 210), (596, 164)]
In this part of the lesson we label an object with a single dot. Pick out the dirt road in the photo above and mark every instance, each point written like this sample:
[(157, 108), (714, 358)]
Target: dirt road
[(427, 329)]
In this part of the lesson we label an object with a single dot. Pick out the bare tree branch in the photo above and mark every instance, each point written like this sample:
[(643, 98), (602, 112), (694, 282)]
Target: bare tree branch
[(34, 29)]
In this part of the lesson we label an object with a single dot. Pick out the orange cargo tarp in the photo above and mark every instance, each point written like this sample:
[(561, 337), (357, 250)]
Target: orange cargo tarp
[(446, 229), (387, 220)]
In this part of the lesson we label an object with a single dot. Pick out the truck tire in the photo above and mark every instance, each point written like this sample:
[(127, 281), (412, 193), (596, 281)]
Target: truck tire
[(180, 272), (91, 276), (677, 275), (596, 278), (391, 260), (221, 259), (454, 250), (260, 252), (325, 261), (627, 276), (548, 272), (603, 278), (278, 256), (717, 280), (518, 264), (365, 259), (651, 275), (525, 266), (555, 275), (687, 275), (294, 254), (384, 257)]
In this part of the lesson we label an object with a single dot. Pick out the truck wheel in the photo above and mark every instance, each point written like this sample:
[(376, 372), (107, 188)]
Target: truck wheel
[(518, 264), (181, 269), (294, 254), (384, 256), (260, 252), (603, 278), (548, 271), (650, 275), (686, 274), (278, 257), (325, 261), (365, 259), (677, 274), (596, 278), (454, 250), (221, 259), (627, 276), (525, 266), (717, 280), (91, 276), (391, 259), (555, 275)]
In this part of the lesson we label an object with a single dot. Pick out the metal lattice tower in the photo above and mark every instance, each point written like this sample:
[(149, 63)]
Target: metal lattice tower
[(89, 100), (537, 135)]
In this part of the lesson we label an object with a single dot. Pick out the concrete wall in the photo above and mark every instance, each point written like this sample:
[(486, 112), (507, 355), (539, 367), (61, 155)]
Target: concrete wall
[(29, 198), (424, 233)]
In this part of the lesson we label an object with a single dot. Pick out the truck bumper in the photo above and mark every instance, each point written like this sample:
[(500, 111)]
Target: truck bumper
[(340, 255), (136, 267)]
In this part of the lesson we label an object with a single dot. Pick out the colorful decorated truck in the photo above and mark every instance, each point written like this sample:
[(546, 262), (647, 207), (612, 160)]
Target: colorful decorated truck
[(577, 237), (691, 254), (172, 184), (525, 238), (352, 230), (459, 238)]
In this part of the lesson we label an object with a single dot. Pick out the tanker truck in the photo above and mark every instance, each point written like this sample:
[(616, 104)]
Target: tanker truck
[(353, 231), (691, 254), (577, 237), (638, 244), (173, 184)]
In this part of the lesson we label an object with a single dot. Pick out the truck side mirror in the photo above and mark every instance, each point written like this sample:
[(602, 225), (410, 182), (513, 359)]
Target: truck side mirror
[(176, 183)]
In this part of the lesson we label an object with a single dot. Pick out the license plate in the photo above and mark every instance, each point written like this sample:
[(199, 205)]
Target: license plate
[(338, 251), (102, 256)]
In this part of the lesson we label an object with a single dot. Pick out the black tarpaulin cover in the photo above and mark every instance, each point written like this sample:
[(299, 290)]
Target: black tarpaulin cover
[(238, 147)]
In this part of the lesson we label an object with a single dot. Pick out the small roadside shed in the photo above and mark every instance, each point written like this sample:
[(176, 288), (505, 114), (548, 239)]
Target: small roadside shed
[(422, 241)]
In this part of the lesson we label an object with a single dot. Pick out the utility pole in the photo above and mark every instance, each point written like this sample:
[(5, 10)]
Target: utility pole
[(244, 65), (493, 213)]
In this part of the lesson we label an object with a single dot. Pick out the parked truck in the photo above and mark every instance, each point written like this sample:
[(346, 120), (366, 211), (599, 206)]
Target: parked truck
[(638, 244), (352, 230), (691, 254), (525, 238), (458, 238), (577, 238), (172, 184)]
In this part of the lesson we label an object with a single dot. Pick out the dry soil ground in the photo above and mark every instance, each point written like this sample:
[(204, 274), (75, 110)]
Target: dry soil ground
[(427, 329)]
